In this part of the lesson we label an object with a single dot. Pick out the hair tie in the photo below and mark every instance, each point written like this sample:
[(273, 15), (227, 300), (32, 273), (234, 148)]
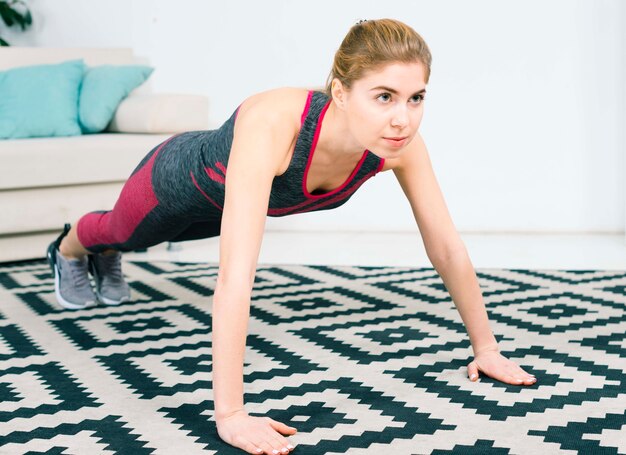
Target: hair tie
[(361, 21)]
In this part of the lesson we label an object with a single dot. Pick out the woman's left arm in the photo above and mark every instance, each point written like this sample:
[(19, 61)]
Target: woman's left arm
[(449, 257)]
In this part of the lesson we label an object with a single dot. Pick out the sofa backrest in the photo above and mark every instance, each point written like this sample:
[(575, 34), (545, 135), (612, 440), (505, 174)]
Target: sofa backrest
[(15, 56)]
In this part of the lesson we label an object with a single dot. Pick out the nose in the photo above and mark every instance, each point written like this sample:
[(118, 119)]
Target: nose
[(400, 117)]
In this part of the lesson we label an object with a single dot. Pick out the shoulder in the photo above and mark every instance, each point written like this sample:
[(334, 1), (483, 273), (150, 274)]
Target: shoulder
[(280, 105), (268, 124)]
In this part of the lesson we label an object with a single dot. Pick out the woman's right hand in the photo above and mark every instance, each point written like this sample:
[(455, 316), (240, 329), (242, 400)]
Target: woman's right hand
[(257, 435)]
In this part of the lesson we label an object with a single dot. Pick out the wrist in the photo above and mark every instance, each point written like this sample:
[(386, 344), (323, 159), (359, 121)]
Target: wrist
[(486, 348), (225, 414)]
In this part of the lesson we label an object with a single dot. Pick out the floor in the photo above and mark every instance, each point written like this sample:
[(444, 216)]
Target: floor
[(359, 362), (532, 251)]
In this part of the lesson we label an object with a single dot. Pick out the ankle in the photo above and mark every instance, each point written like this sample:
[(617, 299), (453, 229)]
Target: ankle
[(67, 253)]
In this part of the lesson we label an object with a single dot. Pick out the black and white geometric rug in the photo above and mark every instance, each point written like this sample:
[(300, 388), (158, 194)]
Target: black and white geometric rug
[(361, 360)]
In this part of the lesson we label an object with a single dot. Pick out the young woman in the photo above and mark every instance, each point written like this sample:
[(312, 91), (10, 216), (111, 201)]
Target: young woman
[(282, 152)]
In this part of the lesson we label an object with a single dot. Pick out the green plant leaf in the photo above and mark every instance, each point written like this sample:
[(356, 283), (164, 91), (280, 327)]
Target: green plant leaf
[(19, 19), (11, 16), (3, 43), (6, 13)]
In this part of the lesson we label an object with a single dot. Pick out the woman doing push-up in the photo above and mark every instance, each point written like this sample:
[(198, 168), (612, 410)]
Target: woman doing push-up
[(284, 151)]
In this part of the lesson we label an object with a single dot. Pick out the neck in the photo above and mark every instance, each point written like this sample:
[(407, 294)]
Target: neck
[(335, 138)]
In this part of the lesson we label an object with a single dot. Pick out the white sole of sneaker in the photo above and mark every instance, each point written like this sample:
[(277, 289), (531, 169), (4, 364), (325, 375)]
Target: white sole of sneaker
[(64, 303), (111, 301)]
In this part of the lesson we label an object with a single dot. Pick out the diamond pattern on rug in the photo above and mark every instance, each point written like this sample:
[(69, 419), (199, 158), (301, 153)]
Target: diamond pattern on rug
[(37, 389), (360, 359)]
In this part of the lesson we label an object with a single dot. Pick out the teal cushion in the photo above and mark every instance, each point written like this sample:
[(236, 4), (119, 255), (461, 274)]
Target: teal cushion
[(41, 100), (104, 88)]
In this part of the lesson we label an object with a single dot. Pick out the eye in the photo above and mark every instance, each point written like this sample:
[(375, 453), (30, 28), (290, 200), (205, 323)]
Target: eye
[(417, 99), (387, 97)]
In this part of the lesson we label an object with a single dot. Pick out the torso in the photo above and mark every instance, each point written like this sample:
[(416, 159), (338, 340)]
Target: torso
[(306, 177), (325, 173)]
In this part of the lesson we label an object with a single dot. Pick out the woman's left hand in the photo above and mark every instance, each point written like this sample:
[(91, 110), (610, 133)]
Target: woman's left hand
[(496, 366)]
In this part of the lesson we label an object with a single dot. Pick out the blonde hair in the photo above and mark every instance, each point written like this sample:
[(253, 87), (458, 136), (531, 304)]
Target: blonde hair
[(371, 44)]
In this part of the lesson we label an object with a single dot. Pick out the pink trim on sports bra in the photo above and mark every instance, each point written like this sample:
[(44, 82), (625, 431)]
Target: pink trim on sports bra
[(380, 165), (307, 106), (319, 204), (308, 164)]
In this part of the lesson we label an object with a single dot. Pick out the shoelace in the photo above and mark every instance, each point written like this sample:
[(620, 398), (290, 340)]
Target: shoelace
[(111, 267), (79, 274)]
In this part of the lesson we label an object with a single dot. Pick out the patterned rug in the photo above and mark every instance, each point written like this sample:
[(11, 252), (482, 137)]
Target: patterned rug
[(361, 360)]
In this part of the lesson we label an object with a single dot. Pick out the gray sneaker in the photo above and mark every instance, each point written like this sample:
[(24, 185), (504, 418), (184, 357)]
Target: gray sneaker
[(71, 280), (111, 288)]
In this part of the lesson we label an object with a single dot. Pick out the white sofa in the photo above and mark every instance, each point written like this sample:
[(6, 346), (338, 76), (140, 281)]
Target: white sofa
[(46, 182)]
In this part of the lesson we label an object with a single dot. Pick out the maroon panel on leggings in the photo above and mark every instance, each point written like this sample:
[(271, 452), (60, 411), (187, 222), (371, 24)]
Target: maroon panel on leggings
[(136, 201)]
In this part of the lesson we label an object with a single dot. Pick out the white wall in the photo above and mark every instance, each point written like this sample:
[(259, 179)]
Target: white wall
[(524, 116)]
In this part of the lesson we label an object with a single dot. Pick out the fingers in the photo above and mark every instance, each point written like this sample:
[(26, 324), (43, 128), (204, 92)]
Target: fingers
[(272, 446), (526, 380), (472, 371), (246, 445), (515, 375), (251, 448), (519, 380), (281, 427), (280, 444), (257, 435), (521, 377), (268, 448)]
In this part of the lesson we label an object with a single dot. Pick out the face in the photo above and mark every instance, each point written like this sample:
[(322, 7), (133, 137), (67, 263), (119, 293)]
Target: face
[(384, 108)]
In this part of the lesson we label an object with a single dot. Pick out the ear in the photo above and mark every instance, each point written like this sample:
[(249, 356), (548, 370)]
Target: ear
[(338, 92)]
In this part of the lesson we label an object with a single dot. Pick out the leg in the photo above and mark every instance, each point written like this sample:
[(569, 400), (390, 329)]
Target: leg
[(136, 221), (67, 254), (145, 214), (111, 288), (70, 247), (138, 185), (71, 281), (199, 230)]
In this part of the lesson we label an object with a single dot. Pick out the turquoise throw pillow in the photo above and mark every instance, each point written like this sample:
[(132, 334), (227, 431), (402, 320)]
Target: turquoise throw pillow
[(104, 88), (41, 100)]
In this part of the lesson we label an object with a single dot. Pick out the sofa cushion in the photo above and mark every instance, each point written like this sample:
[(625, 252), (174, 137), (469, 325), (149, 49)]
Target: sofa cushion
[(40, 100), (159, 113), (41, 162), (15, 56), (104, 87)]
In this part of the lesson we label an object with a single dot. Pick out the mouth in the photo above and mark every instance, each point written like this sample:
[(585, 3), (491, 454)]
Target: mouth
[(396, 141)]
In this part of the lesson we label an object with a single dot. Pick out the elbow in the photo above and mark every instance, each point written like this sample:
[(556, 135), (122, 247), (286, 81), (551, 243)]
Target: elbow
[(233, 287), (447, 254)]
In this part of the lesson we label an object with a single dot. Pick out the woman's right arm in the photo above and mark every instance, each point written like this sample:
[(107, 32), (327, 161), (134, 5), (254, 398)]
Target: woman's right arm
[(262, 138)]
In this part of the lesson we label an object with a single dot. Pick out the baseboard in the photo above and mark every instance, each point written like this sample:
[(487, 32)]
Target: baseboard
[(25, 247)]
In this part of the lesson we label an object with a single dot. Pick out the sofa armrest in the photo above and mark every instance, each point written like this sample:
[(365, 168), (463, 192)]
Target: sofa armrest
[(161, 113)]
